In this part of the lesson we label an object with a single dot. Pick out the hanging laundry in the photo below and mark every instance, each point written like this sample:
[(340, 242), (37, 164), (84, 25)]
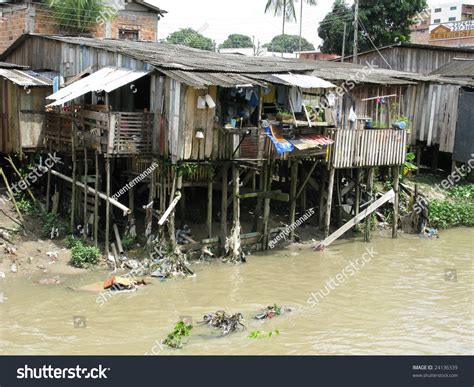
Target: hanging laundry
[(296, 98), (282, 95), (269, 95), (352, 115)]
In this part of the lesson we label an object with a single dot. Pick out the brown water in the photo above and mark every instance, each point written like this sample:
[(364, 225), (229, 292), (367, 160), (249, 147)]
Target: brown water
[(401, 302)]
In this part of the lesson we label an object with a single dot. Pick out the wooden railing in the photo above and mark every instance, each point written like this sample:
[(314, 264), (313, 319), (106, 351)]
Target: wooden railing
[(367, 148), (116, 133)]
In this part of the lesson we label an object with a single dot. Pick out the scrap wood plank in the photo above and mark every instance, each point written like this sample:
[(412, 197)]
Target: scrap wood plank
[(274, 195), (357, 219)]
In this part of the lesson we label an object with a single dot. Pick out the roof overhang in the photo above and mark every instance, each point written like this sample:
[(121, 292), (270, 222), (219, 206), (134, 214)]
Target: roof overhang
[(25, 78), (303, 81), (106, 79)]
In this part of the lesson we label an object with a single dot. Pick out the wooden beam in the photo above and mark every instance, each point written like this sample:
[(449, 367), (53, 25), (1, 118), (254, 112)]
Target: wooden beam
[(369, 210), (170, 209), (370, 189), (209, 208), (96, 201), (274, 195), (107, 208), (308, 177)]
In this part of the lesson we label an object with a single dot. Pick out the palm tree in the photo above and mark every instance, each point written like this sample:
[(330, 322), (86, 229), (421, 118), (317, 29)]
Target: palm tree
[(282, 7), (312, 3), (80, 16)]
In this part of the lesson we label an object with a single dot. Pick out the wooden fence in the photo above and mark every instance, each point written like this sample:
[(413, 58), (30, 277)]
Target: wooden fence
[(367, 148)]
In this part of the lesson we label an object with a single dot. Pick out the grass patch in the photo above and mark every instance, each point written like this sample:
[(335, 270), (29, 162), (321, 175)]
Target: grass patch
[(82, 255)]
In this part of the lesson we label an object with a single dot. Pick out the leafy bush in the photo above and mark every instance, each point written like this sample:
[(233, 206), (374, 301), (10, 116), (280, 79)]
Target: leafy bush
[(26, 206), (71, 241), (175, 338), (444, 214), (50, 221), (462, 192), (84, 256), (128, 241)]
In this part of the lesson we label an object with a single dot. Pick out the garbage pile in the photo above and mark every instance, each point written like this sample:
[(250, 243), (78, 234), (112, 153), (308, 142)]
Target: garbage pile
[(228, 323)]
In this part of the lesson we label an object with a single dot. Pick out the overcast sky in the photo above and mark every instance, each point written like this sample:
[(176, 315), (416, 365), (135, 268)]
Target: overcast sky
[(247, 17)]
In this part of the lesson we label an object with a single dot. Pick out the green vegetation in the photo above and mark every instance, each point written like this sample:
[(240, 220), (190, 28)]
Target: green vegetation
[(80, 16), (82, 255), (455, 211), (128, 241), (191, 38), (260, 334), (50, 222), (237, 41), (26, 206), (288, 43), (175, 338), (386, 21)]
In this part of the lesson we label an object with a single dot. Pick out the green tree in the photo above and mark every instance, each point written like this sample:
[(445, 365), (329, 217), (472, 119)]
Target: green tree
[(237, 41), (285, 8), (80, 16), (288, 43), (383, 22), (331, 29), (191, 38)]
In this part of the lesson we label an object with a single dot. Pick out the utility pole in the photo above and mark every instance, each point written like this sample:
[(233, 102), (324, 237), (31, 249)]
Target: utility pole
[(356, 30), (344, 43), (301, 27)]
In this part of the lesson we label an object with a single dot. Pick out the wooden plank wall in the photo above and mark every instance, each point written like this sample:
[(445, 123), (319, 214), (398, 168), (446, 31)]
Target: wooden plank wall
[(367, 148)]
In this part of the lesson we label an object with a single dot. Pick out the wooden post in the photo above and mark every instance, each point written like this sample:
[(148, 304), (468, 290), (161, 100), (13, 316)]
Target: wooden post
[(236, 193), (258, 208), (418, 159), (96, 201), (434, 166), (48, 188), (396, 201), (86, 171), (370, 189), (149, 208), (225, 187), (327, 223), (107, 209), (321, 198), (357, 195), (294, 186), (209, 207), (73, 190), (266, 205)]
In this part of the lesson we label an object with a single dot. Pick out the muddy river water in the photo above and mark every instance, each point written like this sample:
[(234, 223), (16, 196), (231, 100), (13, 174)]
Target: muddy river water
[(415, 296)]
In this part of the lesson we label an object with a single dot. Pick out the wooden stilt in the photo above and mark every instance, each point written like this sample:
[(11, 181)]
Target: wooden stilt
[(258, 208), (209, 207), (73, 189), (48, 188), (321, 198), (149, 209), (225, 187), (418, 159), (327, 224), (294, 186), (370, 189), (107, 209), (96, 201), (357, 196), (396, 202), (434, 166), (266, 205), (86, 171)]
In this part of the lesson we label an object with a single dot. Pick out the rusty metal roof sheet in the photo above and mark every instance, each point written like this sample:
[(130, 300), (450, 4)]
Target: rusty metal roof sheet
[(201, 80), (458, 68), (4, 65)]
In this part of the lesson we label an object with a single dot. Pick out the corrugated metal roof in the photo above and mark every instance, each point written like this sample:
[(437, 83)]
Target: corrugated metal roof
[(304, 81), (179, 57), (459, 68), (25, 78), (4, 65), (106, 79), (203, 80), (309, 141)]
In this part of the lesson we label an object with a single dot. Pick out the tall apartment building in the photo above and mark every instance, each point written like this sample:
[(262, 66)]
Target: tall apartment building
[(131, 19)]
